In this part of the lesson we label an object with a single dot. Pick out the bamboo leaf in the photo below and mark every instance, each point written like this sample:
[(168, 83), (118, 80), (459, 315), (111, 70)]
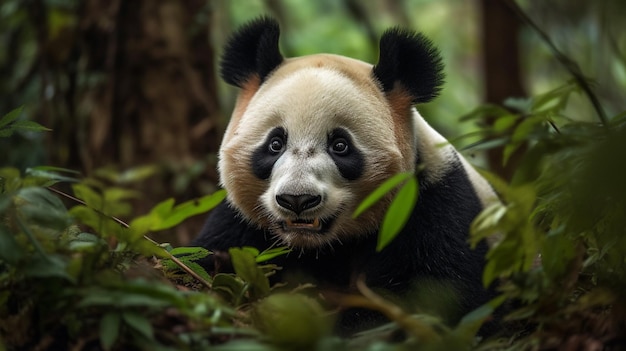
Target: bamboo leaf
[(398, 213), (271, 253), (380, 192), (188, 209), (109, 329), (139, 323), (25, 125), (246, 267), (11, 116), (10, 251)]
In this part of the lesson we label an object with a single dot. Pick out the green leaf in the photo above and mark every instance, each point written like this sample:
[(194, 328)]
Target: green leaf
[(49, 175), (127, 298), (398, 213), (165, 215), (487, 144), (243, 345), (10, 180), (504, 123), (109, 329), (251, 250), (10, 251), (486, 110), (188, 255), (89, 196), (486, 223), (86, 242), (153, 290), (25, 125), (10, 123), (199, 270), (228, 284), (471, 322), (139, 323), (523, 105), (291, 321), (271, 253), (128, 176), (114, 195), (190, 252), (86, 216), (189, 209), (380, 192), (11, 116), (6, 132), (40, 207), (555, 99), (48, 267), (55, 169), (556, 256), (246, 267)]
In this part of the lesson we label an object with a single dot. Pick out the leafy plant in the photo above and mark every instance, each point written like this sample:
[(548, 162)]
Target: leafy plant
[(11, 123), (399, 210), (59, 283), (561, 220)]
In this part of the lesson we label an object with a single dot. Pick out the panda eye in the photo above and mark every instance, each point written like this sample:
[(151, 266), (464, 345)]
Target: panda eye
[(276, 145), (340, 147)]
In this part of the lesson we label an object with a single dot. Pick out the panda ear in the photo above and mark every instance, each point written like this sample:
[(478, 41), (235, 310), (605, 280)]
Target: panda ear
[(251, 51), (412, 60)]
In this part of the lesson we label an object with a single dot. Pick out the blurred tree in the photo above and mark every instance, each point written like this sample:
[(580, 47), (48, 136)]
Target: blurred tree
[(158, 99), (502, 69), (121, 83)]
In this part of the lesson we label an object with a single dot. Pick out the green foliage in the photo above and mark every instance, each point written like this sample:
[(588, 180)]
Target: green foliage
[(561, 219), (85, 274), (291, 321), (165, 215), (245, 266), (399, 210), (57, 279), (11, 123), (188, 256)]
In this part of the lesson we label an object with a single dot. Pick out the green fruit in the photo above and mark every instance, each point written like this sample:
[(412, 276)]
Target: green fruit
[(291, 321)]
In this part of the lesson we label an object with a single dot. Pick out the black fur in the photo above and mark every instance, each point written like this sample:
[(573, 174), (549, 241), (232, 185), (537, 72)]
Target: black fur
[(351, 164), (252, 50), (432, 247), (410, 59), (263, 158)]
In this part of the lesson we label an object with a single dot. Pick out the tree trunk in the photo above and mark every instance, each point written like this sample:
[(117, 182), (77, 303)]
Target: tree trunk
[(502, 69), (140, 90)]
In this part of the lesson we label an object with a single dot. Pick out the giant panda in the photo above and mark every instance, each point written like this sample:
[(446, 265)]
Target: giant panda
[(310, 137)]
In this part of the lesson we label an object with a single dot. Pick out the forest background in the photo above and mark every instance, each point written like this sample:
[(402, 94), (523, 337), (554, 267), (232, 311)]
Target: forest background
[(112, 107)]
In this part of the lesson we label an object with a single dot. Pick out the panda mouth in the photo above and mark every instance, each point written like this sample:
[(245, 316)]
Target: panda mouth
[(314, 225)]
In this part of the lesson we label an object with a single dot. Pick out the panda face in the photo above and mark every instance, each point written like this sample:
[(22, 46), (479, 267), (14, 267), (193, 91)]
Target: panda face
[(306, 148)]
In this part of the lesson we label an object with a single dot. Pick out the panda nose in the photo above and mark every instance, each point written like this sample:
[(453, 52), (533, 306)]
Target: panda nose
[(298, 203)]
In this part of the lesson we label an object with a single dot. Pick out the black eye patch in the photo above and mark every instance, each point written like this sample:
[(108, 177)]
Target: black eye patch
[(348, 159), (264, 157)]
